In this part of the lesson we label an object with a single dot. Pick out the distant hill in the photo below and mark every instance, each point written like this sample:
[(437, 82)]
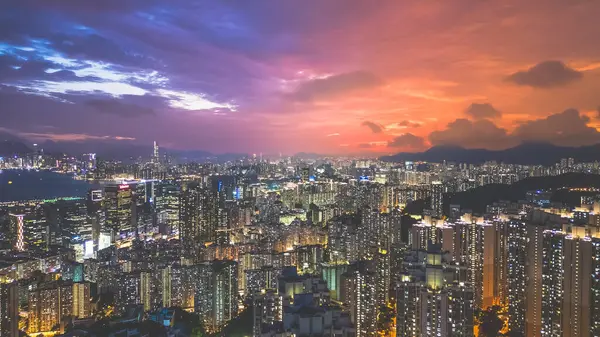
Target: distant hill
[(11, 148), (478, 198), (526, 154), (11, 145)]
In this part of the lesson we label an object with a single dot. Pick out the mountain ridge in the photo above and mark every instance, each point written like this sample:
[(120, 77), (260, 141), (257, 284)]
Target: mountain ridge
[(525, 154)]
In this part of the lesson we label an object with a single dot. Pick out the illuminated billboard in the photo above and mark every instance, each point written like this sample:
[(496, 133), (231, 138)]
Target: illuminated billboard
[(104, 241), (96, 195)]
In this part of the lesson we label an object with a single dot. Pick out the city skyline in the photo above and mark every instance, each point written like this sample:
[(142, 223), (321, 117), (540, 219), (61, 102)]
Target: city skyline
[(335, 77)]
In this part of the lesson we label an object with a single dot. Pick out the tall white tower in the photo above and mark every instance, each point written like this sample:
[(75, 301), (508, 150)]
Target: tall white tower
[(155, 156)]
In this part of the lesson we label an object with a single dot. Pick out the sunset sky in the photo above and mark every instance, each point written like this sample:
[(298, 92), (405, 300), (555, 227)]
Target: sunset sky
[(271, 76)]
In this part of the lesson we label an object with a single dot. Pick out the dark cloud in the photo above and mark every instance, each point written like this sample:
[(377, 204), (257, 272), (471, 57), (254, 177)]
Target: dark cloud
[(409, 124), (365, 146), (482, 111), (598, 111), (568, 128), (114, 107), (335, 85), (408, 140), (376, 128), (471, 134), (547, 74)]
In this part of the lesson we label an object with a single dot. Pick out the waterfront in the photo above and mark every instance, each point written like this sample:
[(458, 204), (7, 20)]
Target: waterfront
[(32, 184)]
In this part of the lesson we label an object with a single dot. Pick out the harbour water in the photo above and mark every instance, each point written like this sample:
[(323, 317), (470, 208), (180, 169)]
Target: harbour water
[(18, 185)]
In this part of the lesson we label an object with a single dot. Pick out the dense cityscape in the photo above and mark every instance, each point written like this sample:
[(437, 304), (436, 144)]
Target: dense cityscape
[(299, 168), (300, 247)]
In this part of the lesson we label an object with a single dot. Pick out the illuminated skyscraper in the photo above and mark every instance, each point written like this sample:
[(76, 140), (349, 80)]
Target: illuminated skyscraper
[(167, 203), (118, 206), (155, 153)]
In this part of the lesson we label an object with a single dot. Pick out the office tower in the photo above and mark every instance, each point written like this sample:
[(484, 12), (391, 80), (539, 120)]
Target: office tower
[(49, 304), (118, 210), (9, 310), (358, 294), (144, 197), (90, 161), (81, 300), (167, 204), (432, 296), (223, 187), (155, 153), (437, 198), (516, 276)]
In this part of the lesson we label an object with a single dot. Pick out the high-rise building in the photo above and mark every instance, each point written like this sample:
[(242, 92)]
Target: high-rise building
[(118, 210), (516, 276), (216, 295), (167, 205), (128, 291), (383, 278), (433, 298), (268, 309), (178, 287), (155, 153), (562, 275), (18, 228), (49, 305), (191, 220), (577, 291), (437, 198), (149, 290), (9, 310), (224, 292), (81, 300), (332, 274), (359, 295)]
